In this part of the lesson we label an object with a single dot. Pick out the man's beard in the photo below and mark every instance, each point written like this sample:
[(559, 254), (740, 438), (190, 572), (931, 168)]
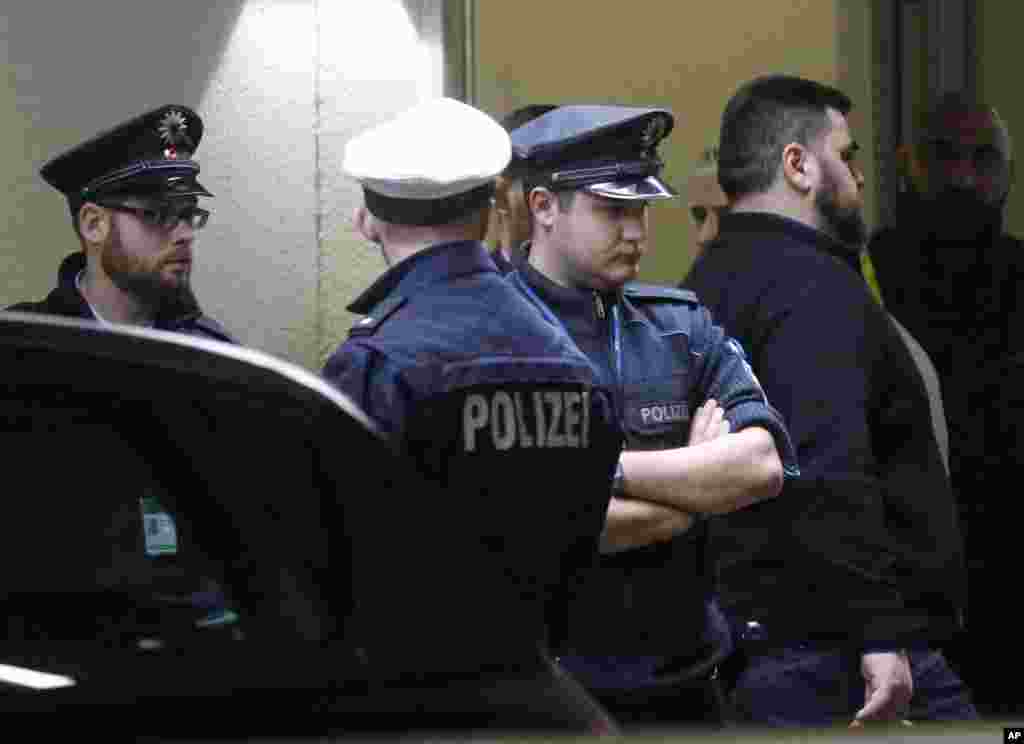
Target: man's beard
[(846, 224), (145, 283)]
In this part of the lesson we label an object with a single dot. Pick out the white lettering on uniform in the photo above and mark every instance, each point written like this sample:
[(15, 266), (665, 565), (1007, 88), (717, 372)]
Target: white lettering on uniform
[(572, 419), (474, 418), (556, 436), (539, 421), (503, 421), (525, 440), (663, 413), (560, 419)]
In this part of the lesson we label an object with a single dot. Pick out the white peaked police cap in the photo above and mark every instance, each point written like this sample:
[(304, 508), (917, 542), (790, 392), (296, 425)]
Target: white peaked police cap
[(429, 164)]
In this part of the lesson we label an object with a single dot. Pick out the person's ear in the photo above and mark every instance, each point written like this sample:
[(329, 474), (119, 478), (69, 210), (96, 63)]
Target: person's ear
[(543, 207), (365, 224), (799, 167), (94, 223)]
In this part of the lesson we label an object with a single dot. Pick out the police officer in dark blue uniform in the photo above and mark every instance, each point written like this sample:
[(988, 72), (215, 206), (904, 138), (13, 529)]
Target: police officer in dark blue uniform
[(701, 438), (462, 575), (133, 195)]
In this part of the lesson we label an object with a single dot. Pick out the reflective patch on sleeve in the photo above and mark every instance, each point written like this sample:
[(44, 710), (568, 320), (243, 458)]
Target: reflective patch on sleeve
[(738, 349)]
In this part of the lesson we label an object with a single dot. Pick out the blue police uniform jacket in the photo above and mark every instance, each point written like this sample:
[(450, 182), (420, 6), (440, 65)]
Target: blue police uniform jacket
[(514, 445), (645, 612)]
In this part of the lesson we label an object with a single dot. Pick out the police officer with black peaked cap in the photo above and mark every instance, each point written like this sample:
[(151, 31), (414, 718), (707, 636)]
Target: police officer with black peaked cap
[(133, 196), (701, 439), (461, 577)]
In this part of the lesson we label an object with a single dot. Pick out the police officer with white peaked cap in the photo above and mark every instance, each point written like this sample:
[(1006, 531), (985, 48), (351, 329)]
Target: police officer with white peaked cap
[(462, 577), (701, 439)]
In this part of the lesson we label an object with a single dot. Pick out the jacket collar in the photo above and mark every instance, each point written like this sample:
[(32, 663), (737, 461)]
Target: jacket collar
[(759, 223), (65, 299), (580, 310), (437, 263)]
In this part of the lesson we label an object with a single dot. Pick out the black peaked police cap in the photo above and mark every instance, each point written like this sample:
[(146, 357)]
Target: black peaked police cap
[(149, 156)]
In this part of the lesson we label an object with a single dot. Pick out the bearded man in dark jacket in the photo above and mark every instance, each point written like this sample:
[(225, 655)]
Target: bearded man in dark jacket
[(844, 590)]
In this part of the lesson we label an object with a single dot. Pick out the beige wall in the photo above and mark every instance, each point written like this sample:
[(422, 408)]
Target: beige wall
[(281, 85), (998, 44), (686, 55)]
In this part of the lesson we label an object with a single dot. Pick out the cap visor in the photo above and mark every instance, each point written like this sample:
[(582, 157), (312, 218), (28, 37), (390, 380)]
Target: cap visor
[(650, 187)]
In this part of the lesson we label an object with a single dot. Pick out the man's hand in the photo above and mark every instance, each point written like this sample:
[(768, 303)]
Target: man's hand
[(888, 687), (708, 423)]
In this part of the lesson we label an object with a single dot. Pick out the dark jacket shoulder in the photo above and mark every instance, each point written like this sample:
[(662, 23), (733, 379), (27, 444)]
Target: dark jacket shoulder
[(202, 325), (60, 301)]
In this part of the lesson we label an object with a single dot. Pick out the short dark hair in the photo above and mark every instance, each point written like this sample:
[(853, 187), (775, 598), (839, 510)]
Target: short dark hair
[(761, 119)]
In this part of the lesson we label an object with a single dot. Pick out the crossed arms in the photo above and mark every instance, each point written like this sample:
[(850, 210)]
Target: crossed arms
[(715, 473)]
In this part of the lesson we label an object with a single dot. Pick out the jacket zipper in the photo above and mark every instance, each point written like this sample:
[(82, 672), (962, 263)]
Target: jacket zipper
[(602, 314)]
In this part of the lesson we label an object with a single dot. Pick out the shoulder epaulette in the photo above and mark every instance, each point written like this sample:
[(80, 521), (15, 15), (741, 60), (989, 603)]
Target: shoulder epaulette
[(657, 292), (369, 325)]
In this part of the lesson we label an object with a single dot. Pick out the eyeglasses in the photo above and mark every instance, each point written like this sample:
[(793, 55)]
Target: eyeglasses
[(165, 216)]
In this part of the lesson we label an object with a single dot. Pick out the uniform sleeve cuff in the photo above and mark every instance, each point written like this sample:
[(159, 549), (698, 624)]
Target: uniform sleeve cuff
[(759, 414)]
